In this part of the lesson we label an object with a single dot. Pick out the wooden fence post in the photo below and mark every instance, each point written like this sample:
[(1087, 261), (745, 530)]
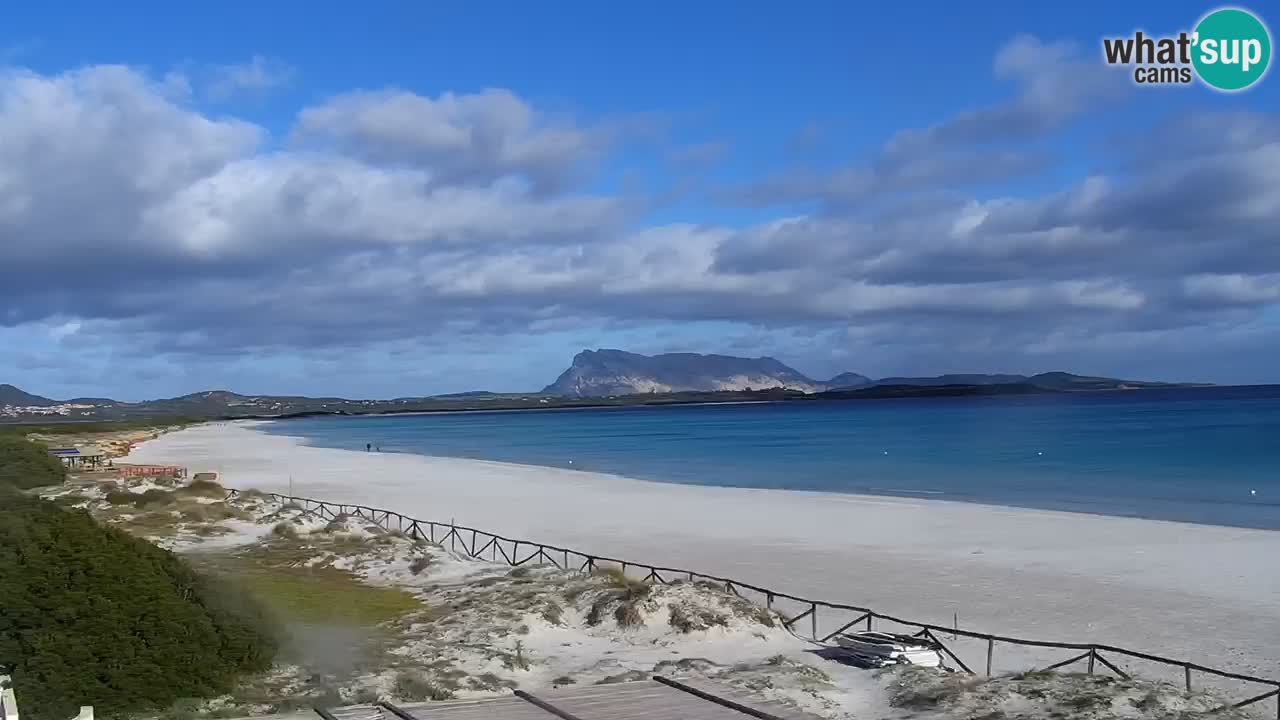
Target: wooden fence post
[(991, 648), (1093, 655), (1187, 670), (813, 620)]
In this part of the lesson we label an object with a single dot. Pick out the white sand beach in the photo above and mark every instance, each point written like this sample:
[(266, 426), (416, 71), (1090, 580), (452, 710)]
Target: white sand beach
[(1206, 594)]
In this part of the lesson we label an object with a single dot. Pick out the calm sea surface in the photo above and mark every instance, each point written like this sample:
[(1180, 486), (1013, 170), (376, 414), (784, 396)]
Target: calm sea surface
[(1207, 455)]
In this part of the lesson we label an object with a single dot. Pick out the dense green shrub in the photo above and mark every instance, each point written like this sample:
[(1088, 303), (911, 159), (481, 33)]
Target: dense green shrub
[(93, 616), (154, 496), (25, 464), (120, 497)]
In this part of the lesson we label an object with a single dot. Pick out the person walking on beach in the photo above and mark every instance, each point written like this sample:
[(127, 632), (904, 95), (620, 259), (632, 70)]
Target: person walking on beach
[(368, 447)]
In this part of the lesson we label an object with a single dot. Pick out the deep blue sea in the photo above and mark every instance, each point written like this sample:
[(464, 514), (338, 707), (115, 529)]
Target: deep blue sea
[(1207, 455)]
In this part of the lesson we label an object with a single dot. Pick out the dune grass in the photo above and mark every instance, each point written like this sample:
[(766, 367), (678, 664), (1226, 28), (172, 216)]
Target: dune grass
[(326, 596)]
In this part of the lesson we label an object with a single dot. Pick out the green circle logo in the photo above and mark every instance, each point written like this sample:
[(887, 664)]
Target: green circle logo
[(1232, 49)]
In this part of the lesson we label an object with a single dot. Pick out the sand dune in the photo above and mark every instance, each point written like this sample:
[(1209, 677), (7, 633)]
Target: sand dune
[(1202, 593)]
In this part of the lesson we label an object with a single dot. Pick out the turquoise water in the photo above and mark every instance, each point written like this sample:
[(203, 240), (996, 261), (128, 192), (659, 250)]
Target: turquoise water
[(1200, 455)]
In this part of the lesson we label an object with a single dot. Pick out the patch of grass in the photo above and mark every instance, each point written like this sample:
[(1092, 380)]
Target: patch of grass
[(203, 488), (917, 692), (416, 687), (488, 682), (1085, 700), (688, 619), (627, 676), (324, 596), (365, 696), (563, 680), (285, 530), (761, 616), (1149, 701), (419, 565), (209, 512), (628, 615), (337, 524), (210, 530), (553, 613), (626, 592), (614, 577), (150, 524), (694, 664), (515, 660), (67, 500), (315, 596), (120, 497), (154, 497), (1035, 675)]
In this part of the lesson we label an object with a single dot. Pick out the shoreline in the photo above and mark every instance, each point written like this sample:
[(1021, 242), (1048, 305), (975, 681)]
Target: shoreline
[(865, 494), (1040, 573)]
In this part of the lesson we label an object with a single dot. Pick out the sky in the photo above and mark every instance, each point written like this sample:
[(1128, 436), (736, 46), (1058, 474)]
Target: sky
[(398, 199)]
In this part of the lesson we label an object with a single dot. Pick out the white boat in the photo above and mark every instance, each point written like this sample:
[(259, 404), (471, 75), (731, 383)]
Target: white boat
[(880, 649)]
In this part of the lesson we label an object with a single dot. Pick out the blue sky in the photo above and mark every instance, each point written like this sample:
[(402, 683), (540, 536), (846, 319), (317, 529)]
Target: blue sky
[(434, 197)]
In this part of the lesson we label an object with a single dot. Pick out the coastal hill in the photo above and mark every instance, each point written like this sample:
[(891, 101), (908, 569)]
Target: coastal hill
[(12, 396), (602, 373), (596, 377), (596, 373)]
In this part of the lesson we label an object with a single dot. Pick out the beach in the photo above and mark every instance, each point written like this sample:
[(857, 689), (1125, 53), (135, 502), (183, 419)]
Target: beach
[(1200, 593)]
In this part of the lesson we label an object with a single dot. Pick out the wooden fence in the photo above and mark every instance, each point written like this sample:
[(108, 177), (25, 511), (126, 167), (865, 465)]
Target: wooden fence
[(800, 615)]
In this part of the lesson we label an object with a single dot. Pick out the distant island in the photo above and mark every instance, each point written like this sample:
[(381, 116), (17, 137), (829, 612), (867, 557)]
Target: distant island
[(595, 378), (605, 373)]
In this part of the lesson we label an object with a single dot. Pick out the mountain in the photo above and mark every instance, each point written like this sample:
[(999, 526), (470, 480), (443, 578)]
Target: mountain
[(598, 373), (847, 380), (12, 396)]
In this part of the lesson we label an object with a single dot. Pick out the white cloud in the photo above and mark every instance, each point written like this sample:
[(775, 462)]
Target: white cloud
[(396, 215), (474, 137), (258, 75)]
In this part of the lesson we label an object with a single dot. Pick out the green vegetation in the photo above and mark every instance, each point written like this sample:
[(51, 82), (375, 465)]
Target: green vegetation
[(93, 616), (203, 488), (416, 687), (84, 428), (323, 595), (25, 464), (628, 593)]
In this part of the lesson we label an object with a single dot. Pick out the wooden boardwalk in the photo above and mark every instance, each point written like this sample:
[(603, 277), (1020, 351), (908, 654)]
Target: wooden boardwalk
[(642, 700)]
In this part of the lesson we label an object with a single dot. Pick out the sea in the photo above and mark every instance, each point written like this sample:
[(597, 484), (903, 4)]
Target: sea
[(1202, 455)]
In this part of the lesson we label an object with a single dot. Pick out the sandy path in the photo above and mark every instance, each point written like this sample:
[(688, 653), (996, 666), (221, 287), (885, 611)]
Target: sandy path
[(1203, 593)]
